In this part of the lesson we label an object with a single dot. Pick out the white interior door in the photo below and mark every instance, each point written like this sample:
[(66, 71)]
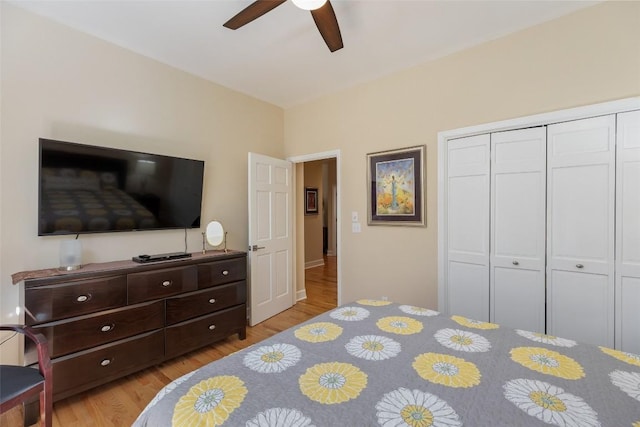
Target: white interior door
[(518, 193), (467, 240), (628, 233), (580, 230), (270, 237)]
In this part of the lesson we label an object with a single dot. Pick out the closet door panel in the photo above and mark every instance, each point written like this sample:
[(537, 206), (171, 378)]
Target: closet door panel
[(629, 210), (468, 227), (518, 297), (628, 329), (628, 233), (518, 176), (580, 230), (516, 221), (468, 287), (467, 231), (579, 312), (581, 215)]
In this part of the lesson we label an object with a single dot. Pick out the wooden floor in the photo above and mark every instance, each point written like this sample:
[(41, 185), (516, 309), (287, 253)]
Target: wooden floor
[(118, 404)]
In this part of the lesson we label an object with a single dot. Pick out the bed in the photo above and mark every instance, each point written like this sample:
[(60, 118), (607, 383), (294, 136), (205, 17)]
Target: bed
[(373, 362)]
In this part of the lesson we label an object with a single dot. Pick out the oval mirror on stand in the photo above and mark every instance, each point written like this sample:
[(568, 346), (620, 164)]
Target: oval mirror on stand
[(214, 235)]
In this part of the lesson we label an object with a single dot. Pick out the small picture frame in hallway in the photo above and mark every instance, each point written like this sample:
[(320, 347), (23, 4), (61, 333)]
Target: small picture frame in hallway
[(310, 201), (395, 181)]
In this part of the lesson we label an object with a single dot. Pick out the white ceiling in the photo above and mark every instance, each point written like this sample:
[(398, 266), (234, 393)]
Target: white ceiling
[(280, 57)]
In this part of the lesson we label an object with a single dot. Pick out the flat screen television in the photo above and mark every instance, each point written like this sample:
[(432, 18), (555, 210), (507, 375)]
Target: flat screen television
[(90, 189)]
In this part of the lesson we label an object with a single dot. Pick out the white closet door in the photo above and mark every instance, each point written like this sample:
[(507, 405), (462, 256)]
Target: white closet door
[(628, 233), (517, 278), (468, 227), (580, 229)]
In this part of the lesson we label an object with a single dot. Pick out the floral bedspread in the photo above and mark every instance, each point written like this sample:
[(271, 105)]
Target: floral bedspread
[(372, 363)]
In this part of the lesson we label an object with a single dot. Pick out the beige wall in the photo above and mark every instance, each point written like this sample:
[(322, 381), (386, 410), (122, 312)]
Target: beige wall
[(313, 222), (62, 84), (59, 83), (588, 57)]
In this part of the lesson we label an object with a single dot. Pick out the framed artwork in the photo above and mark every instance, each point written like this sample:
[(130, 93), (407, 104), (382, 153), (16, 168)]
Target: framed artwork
[(396, 187), (310, 201)]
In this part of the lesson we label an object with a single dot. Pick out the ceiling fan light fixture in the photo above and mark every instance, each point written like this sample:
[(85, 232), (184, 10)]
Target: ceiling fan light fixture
[(309, 4)]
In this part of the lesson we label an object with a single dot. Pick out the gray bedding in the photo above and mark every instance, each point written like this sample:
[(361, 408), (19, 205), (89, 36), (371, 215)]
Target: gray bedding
[(372, 363)]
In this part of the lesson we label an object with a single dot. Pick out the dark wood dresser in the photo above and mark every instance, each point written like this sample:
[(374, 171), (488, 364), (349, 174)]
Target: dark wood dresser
[(108, 320)]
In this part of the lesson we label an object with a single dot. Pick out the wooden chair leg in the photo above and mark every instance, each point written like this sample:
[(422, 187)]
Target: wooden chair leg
[(46, 407)]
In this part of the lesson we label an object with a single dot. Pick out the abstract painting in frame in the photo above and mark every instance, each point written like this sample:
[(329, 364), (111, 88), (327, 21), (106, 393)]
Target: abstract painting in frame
[(396, 187), (310, 201)]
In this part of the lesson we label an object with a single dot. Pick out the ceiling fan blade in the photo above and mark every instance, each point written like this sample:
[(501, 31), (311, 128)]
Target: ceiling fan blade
[(254, 11), (327, 24)]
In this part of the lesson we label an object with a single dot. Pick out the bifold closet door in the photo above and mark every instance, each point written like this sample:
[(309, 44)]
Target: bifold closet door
[(580, 230), (628, 233), (518, 200), (467, 203)]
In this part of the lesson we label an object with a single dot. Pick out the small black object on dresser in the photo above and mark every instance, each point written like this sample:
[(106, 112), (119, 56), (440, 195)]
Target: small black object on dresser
[(160, 257), (110, 320)]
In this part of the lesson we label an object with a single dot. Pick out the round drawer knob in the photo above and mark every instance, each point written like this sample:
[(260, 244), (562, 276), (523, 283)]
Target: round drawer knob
[(106, 328), (212, 327), (515, 262), (579, 266), (166, 283), (212, 301), (105, 362), (82, 298), (225, 272)]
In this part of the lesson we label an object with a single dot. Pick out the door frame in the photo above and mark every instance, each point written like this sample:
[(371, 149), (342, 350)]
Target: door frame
[(332, 154), (611, 107)]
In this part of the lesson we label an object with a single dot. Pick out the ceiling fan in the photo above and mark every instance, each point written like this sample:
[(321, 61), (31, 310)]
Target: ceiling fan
[(321, 10)]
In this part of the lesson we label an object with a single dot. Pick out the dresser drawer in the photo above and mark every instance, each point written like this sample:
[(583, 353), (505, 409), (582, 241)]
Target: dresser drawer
[(157, 284), (197, 303), (192, 334), (52, 302), (79, 333), (219, 272), (82, 371)]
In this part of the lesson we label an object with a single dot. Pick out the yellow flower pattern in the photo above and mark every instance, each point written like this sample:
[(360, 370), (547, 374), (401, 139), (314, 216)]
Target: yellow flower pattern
[(334, 382), (373, 302), (476, 324), (400, 325), (630, 358), (547, 362), (319, 332), (210, 402), (380, 363), (447, 370)]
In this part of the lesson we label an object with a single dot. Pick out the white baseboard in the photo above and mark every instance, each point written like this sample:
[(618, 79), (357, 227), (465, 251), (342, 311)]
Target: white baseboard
[(300, 295), (316, 263), (331, 253)]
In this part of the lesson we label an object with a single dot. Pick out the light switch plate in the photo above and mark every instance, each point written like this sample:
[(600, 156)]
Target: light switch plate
[(355, 227), (354, 216)]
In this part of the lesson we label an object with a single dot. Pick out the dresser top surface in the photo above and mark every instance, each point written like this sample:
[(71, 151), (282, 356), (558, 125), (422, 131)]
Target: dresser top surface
[(120, 267)]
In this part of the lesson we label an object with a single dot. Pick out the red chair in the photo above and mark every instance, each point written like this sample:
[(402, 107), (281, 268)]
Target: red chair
[(20, 384)]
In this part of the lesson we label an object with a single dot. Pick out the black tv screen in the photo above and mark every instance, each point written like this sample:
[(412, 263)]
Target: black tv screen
[(90, 189)]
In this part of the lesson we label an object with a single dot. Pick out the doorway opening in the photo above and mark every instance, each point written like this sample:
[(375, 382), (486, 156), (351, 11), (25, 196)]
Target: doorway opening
[(317, 242)]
